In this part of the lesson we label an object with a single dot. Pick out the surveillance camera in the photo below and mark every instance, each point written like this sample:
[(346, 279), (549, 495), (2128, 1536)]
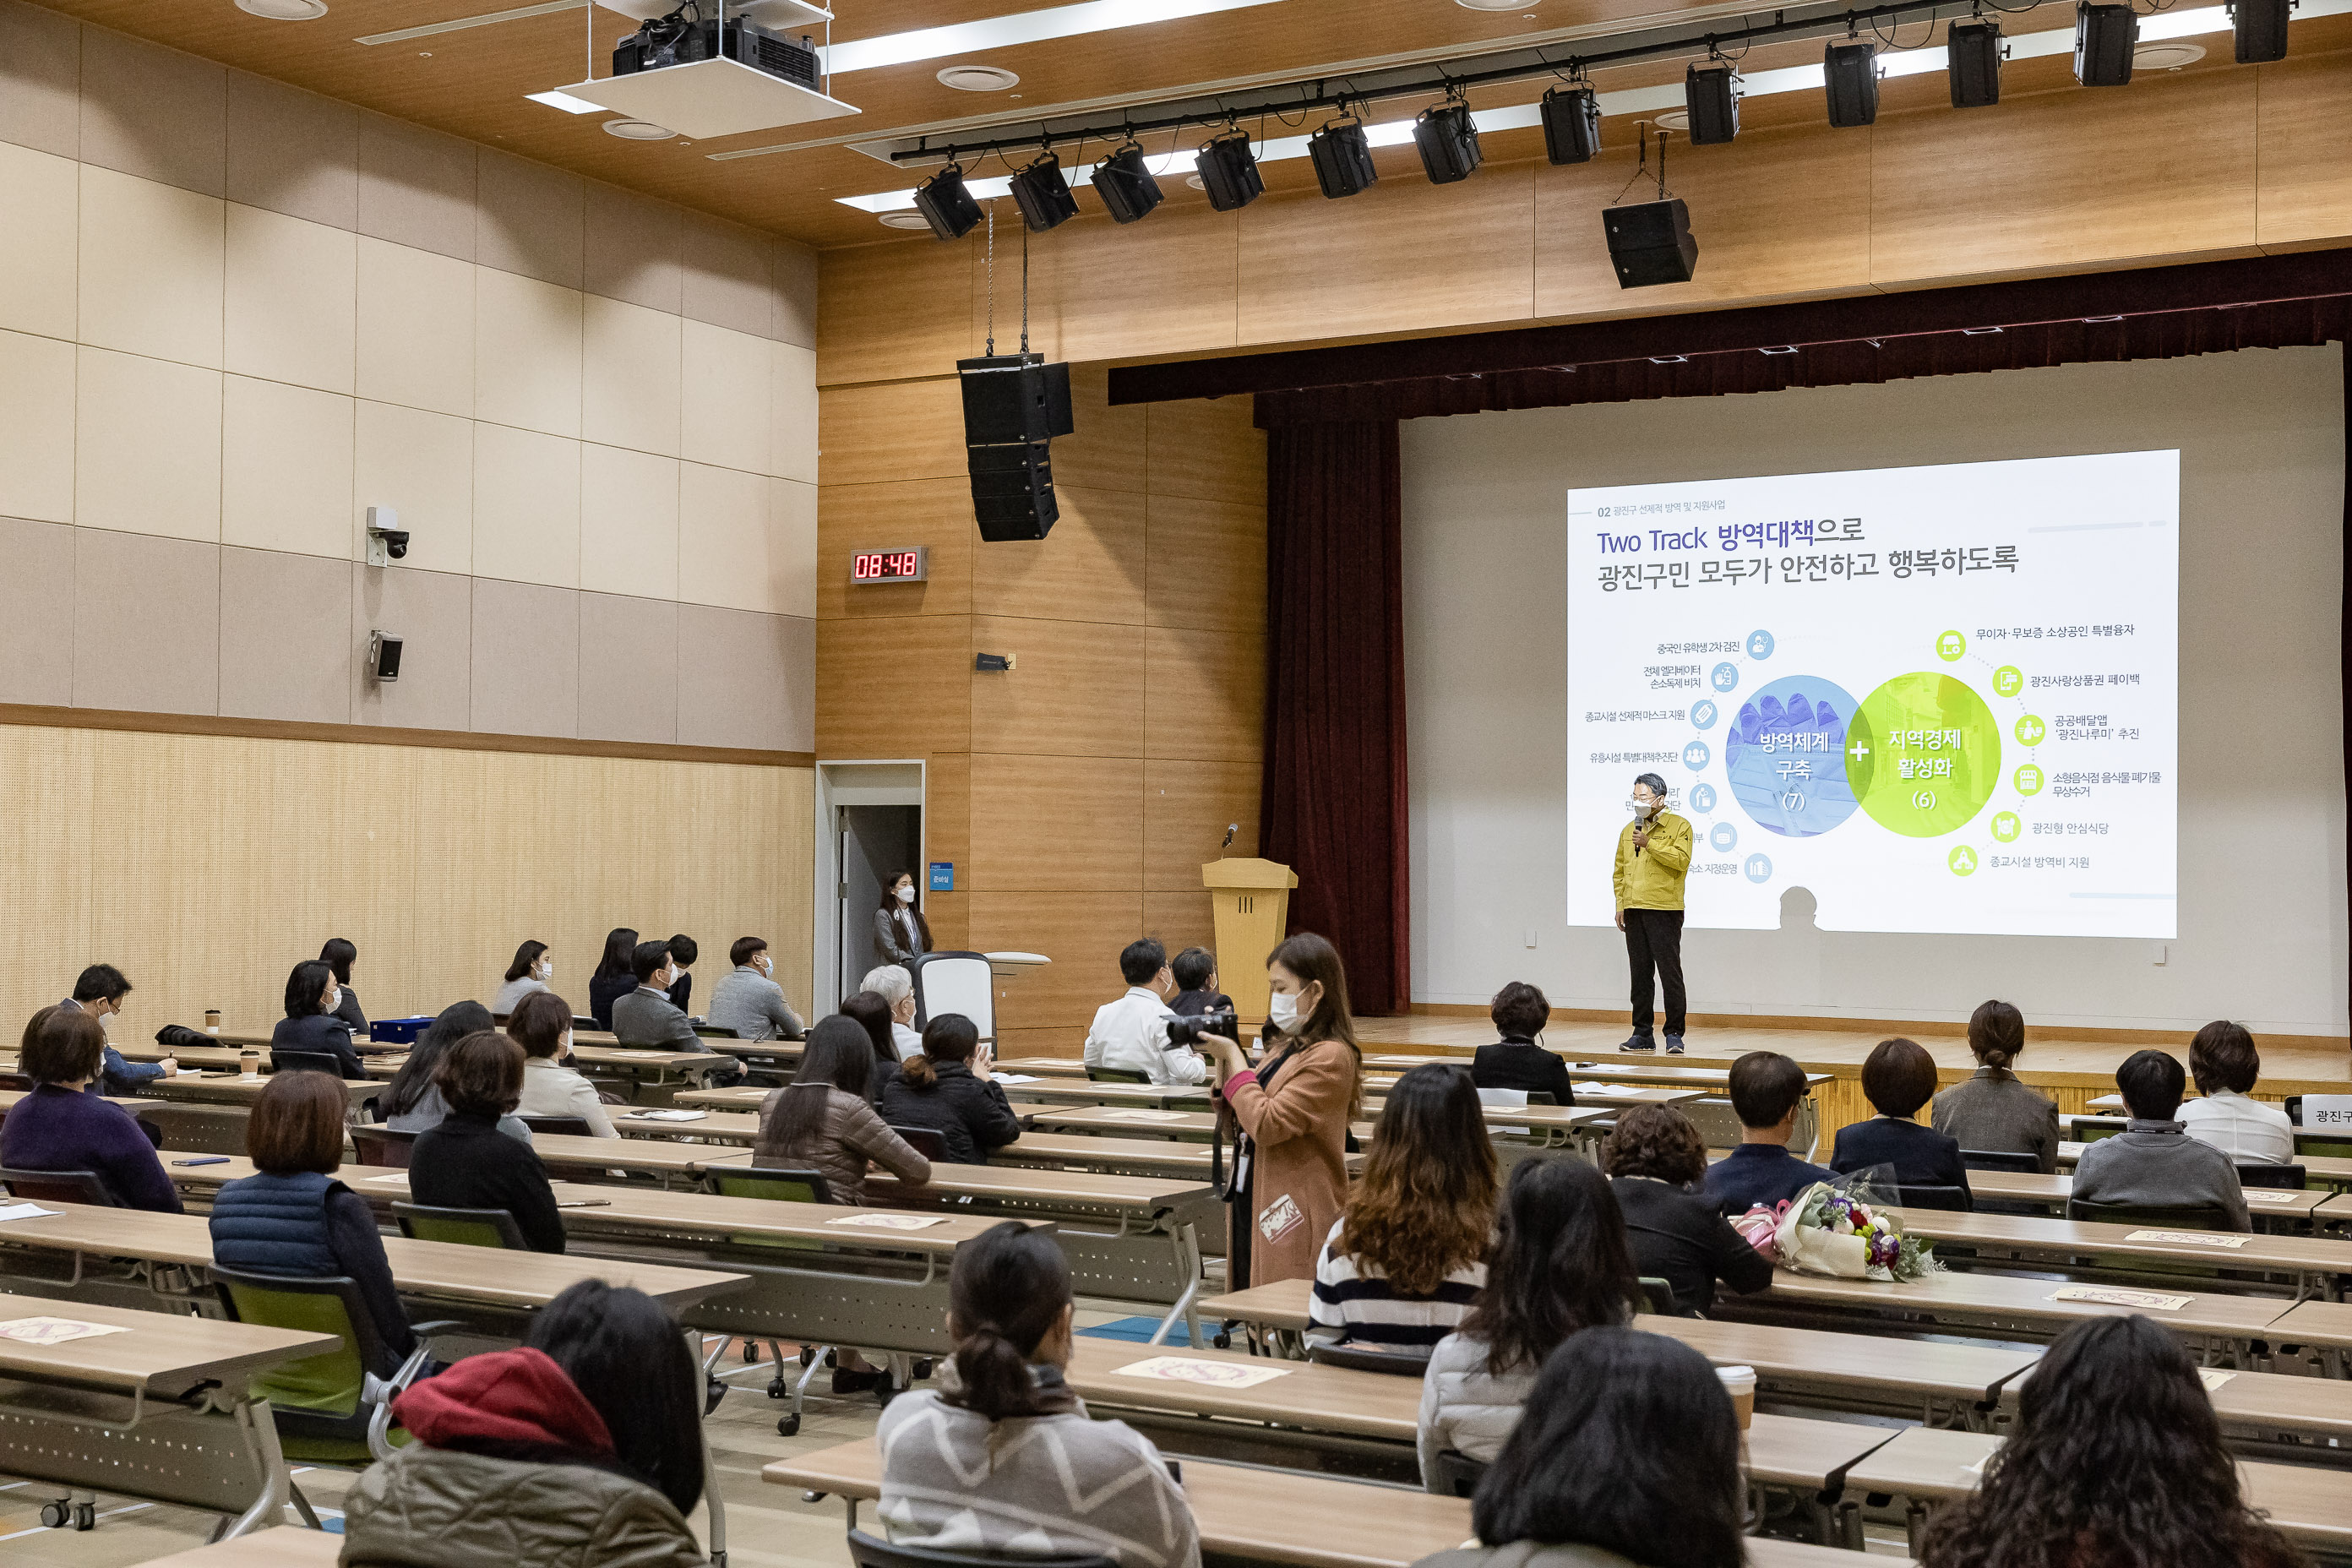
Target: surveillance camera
[(387, 540)]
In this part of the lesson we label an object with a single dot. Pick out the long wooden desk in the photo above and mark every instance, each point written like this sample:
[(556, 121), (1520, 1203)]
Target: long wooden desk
[(712, 1126), (1927, 1468), (2051, 1192), (2315, 1264), (233, 1089), (1552, 1125), (278, 1547), (1280, 1518), (160, 1409)]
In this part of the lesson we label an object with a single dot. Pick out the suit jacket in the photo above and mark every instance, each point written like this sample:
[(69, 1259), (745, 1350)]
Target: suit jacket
[(1755, 1174), (1917, 1157), (647, 1017), (323, 1032), (890, 943), (1682, 1238), (1997, 1114), (1522, 1064)]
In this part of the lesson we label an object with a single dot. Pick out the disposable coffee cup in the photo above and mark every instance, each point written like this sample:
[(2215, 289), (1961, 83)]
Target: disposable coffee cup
[(1739, 1382), (248, 1063), (212, 1021)]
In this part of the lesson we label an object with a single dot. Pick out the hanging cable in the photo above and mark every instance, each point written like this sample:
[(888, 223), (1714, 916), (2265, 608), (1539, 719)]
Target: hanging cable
[(991, 350)]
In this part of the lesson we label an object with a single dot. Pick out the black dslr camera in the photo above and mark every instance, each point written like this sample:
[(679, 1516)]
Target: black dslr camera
[(1188, 1031)]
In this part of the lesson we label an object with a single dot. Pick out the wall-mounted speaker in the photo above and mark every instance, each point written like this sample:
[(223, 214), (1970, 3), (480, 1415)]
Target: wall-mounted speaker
[(1650, 242), (2105, 37)]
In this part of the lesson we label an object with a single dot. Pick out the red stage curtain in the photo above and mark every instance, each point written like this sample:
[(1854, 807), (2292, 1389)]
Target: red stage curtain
[(1333, 805)]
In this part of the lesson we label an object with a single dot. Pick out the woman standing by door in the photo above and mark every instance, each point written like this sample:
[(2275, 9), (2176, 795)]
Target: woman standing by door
[(1290, 1179), (901, 934)]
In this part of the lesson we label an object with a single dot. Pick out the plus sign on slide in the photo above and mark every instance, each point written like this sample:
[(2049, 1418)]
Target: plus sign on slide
[(1936, 698)]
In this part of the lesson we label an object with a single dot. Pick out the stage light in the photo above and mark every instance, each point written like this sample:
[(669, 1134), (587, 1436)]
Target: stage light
[(1042, 195), (1448, 142), (1849, 72), (945, 205), (1125, 183), (1650, 242), (1571, 123), (1972, 62), (1710, 96), (2260, 26), (1229, 170), (2105, 37), (1343, 158)]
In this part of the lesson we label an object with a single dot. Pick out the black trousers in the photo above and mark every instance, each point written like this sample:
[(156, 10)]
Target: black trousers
[(1653, 942)]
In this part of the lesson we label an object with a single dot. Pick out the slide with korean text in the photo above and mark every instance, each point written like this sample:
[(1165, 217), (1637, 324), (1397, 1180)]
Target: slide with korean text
[(1938, 698)]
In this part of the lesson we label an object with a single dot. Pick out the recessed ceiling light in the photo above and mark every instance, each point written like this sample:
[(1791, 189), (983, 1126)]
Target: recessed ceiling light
[(2166, 56), (284, 10), (1672, 119), (1491, 5), (904, 220), (1197, 183), (638, 130), (978, 78)]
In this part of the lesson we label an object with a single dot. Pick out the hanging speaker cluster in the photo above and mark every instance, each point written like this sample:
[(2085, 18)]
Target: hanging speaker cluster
[(1013, 406), (1342, 156)]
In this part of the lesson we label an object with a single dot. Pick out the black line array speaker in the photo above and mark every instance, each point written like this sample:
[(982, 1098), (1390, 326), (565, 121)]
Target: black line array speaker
[(1650, 242), (1013, 405)]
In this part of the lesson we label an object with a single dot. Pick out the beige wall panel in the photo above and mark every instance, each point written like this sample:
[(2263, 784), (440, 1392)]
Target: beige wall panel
[(886, 312), (1206, 563), (420, 464), (285, 467), (1104, 451), (415, 328), (527, 353), (526, 506), (150, 267), (467, 805), (727, 400), (2066, 179), (1081, 933), (1055, 824), (38, 242), (894, 688), (1777, 213), (1186, 920), (2305, 182), (1089, 568), (291, 300), (933, 514), (1083, 281), (630, 366), (628, 523), (724, 553), (1206, 449), (1404, 255), (1069, 1040), (1072, 695), (36, 427), (147, 446), (46, 784), (1186, 808), (1206, 697), (907, 430), (791, 411)]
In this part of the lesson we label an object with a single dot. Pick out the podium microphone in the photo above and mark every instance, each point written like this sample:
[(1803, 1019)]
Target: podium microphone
[(1230, 828)]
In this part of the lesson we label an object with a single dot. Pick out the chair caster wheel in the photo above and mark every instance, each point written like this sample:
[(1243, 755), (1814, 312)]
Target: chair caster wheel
[(922, 1369), (778, 1389), (713, 1391), (788, 1427), (886, 1394), (55, 1514), (751, 1353), (808, 1354), (1223, 1339), (86, 1516)]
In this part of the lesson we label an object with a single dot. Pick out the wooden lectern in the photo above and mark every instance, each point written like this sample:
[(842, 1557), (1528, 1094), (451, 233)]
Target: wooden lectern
[(1253, 904)]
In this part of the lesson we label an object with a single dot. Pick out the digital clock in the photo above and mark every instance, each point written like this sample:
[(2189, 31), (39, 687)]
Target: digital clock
[(887, 566)]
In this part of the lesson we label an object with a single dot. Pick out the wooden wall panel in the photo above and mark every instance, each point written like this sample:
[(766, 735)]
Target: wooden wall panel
[(1181, 920), (1077, 691), (1777, 213), (1098, 290), (887, 313), (1089, 568), (2068, 179), (1207, 697), (1081, 933), (1055, 824), (1207, 449), (2306, 178), (894, 688), (1404, 255), (1186, 808), (934, 513), (947, 813), (895, 430), (1104, 451), (1206, 564)]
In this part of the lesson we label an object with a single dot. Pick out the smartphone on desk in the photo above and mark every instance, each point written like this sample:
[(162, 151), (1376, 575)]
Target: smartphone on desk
[(205, 1160)]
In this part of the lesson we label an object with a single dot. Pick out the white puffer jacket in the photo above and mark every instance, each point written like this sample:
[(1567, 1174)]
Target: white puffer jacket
[(1464, 1407)]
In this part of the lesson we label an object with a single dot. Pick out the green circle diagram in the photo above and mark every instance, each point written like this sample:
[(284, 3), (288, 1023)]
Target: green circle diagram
[(1962, 860), (2008, 680), (1943, 730), (2006, 826), (1950, 646)]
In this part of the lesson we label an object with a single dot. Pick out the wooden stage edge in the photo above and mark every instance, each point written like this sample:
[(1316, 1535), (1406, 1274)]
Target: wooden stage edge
[(1881, 1028)]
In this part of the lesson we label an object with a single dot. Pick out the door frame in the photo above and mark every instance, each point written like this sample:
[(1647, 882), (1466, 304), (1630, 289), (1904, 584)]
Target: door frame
[(881, 780)]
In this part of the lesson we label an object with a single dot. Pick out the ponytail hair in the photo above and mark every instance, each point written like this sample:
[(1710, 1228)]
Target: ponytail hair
[(950, 1037), (1007, 1290), (1995, 1034)]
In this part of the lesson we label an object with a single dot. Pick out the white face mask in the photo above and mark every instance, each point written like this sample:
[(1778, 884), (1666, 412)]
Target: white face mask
[(1644, 807), (334, 1000), (906, 894), (1282, 1012), (542, 972), (765, 966)]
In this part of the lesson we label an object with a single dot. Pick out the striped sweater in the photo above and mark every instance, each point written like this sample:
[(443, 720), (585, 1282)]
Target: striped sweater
[(1354, 1301)]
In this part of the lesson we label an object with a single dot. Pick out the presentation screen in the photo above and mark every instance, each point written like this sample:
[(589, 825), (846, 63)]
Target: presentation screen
[(1939, 699)]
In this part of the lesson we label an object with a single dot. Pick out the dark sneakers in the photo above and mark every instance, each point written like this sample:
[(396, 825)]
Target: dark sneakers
[(1674, 1045), (1640, 1042)]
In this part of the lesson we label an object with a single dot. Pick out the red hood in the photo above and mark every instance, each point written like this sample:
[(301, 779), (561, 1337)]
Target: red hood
[(517, 1398)]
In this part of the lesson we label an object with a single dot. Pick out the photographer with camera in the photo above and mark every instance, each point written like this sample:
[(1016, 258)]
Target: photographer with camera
[(1131, 1035)]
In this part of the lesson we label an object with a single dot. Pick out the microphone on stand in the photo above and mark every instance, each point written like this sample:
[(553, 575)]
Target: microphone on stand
[(1230, 828)]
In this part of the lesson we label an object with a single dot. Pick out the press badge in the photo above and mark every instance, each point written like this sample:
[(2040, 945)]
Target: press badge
[(1281, 1217)]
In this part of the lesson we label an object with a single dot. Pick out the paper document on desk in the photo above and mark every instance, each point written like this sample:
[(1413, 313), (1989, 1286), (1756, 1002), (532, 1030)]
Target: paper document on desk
[(2271, 1195), (891, 1221), (54, 1331), (2107, 1296), (1017, 1077), (2213, 1377), (1135, 1114), (1214, 1374), (2190, 1237), (25, 1211), (1613, 1088), (397, 1179), (667, 1115)]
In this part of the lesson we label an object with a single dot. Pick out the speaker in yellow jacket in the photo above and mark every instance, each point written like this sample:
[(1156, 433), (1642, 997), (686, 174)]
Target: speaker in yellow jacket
[(1654, 855)]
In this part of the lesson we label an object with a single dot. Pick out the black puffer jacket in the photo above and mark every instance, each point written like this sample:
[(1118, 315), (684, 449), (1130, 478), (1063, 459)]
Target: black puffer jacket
[(971, 1115)]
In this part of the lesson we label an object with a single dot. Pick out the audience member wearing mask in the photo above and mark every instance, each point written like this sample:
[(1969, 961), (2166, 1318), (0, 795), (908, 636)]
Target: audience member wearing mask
[(1130, 1034), (747, 998), (532, 970), (901, 935)]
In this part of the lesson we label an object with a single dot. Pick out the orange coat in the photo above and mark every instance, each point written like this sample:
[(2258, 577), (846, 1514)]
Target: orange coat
[(1299, 1175)]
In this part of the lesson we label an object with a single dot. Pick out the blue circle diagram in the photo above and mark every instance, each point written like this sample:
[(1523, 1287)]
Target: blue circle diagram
[(1759, 867), (1759, 644), (1785, 755), (1725, 676), (1695, 756), (1703, 714), (1722, 836), (1702, 797)]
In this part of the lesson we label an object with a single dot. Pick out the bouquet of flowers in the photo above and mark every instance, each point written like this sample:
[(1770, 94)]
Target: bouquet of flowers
[(1839, 1232)]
